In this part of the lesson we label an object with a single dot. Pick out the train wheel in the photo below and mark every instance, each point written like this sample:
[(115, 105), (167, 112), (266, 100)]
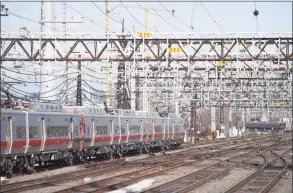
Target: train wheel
[(109, 155), (119, 153), (140, 151), (9, 168), (146, 148), (69, 159)]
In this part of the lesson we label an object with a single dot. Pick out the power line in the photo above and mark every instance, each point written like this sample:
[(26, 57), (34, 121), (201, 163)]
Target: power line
[(109, 16), (212, 17), (136, 19), (28, 19), (85, 16), (175, 16), (159, 17)]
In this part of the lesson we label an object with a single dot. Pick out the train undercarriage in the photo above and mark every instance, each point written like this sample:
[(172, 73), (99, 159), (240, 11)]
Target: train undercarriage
[(26, 163)]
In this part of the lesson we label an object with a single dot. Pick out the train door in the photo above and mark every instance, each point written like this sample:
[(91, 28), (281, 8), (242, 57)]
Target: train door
[(123, 130), (152, 130), (116, 136), (70, 133), (19, 135), (82, 126), (9, 139), (76, 132), (87, 132), (93, 133), (111, 131), (173, 129), (168, 128), (164, 130), (127, 131), (147, 129), (35, 133), (43, 133), (27, 132), (141, 130)]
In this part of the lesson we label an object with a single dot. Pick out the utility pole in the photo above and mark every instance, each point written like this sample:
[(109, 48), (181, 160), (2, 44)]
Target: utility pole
[(108, 66), (122, 98), (78, 85)]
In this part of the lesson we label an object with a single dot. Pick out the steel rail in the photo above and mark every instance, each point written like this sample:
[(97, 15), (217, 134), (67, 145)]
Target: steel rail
[(122, 184), (27, 185), (192, 175), (240, 184), (143, 175), (32, 184), (81, 187), (275, 180)]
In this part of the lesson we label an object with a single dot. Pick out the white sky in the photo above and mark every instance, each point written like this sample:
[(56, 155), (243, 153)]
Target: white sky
[(230, 16)]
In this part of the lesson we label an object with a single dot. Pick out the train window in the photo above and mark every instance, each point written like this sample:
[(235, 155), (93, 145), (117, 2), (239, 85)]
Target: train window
[(49, 132), (101, 130), (117, 130), (76, 130), (33, 131), (158, 129), (134, 129), (123, 130), (57, 131), (20, 133)]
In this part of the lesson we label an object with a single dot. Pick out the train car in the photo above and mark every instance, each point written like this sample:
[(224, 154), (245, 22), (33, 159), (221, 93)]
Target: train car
[(264, 126), (45, 133)]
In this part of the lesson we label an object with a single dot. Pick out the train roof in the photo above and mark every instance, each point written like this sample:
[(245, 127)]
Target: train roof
[(49, 107)]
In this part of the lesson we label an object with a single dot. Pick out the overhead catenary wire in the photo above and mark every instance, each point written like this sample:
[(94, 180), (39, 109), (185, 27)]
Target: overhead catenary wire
[(60, 76), (54, 89), (160, 17), (57, 94), (136, 19), (212, 17), (35, 74), (110, 16), (98, 24), (28, 19), (175, 16)]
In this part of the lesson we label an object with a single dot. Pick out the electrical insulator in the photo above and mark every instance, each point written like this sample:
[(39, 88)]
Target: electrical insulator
[(255, 13)]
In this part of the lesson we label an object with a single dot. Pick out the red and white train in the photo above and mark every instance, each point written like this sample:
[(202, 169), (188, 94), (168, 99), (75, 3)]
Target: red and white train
[(43, 133)]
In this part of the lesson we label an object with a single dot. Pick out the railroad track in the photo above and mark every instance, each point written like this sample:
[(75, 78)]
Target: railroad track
[(115, 167), (196, 179), (190, 149), (263, 179), (132, 177), (125, 179)]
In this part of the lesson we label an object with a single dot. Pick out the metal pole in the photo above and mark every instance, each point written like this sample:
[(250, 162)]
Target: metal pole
[(108, 75), (78, 86)]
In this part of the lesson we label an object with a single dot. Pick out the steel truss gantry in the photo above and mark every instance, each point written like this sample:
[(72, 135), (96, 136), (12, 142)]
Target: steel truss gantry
[(192, 47), (251, 70)]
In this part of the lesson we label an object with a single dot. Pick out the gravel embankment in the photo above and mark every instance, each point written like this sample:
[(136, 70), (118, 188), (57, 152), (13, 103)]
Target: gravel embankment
[(73, 183)]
